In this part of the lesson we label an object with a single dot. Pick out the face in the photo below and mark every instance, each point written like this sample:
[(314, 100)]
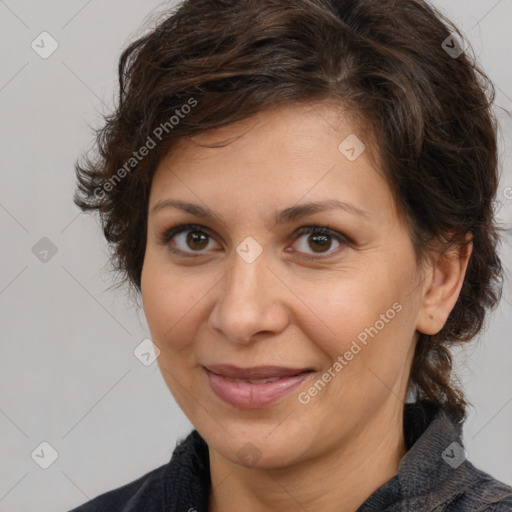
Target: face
[(245, 275)]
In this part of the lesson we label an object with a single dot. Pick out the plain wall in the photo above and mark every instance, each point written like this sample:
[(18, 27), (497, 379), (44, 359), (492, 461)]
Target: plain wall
[(68, 375)]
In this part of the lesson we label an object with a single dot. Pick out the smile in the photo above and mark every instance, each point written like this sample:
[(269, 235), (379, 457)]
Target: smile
[(256, 387)]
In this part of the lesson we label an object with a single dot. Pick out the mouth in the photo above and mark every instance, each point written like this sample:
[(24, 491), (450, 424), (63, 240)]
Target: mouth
[(255, 387)]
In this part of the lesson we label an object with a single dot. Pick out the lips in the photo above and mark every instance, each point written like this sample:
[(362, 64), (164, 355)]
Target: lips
[(255, 387), (255, 372)]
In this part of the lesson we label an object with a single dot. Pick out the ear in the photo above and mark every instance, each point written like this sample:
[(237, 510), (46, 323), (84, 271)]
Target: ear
[(442, 287)]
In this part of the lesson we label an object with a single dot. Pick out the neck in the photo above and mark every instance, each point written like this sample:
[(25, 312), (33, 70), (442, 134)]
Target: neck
[(340, 480)]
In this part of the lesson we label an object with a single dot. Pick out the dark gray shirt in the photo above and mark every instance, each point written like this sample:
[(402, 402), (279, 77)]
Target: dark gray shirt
[(433, 476)]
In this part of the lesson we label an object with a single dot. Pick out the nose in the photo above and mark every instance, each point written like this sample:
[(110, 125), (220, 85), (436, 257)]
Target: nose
[(251, 302)]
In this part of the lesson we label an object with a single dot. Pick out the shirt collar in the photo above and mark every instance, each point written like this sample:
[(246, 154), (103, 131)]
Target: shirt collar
[(432, 471)]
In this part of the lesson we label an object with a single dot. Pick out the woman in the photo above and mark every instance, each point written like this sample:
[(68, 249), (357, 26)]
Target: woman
[(302, 195)]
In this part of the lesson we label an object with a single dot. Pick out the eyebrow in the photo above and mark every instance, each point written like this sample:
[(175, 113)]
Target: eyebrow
[(285, 216)]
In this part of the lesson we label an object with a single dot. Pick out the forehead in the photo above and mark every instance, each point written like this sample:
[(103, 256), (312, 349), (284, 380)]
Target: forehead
[(299, 129), (309, 151)]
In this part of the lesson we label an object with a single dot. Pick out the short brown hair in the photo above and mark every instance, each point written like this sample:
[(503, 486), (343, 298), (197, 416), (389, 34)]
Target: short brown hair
[(386, 60)]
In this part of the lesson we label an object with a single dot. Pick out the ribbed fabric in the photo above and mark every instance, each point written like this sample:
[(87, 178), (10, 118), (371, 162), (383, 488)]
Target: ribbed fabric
[(431, 476)]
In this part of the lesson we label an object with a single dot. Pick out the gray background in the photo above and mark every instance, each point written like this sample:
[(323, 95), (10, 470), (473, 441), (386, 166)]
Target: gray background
[(68, 375)]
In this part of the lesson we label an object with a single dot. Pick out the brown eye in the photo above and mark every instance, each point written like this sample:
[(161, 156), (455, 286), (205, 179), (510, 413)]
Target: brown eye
[(318, 240), (196, 240), (187, 239)]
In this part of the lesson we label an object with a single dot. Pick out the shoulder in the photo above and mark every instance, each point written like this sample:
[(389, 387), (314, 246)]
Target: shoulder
[(143, 491), (434, 476), (482, 493), (185, 478)]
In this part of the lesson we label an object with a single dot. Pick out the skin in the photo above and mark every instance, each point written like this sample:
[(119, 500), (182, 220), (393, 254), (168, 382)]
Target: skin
[(210, 306)]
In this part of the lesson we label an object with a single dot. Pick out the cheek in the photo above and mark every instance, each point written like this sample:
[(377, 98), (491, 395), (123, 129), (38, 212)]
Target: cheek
[(166, 304), (366, 319), (344, 309)]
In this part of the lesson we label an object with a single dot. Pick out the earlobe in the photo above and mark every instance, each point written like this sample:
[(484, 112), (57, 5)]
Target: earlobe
[(446, 279)]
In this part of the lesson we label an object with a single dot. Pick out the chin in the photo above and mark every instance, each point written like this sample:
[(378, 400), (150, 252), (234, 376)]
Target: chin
[(256, 448)]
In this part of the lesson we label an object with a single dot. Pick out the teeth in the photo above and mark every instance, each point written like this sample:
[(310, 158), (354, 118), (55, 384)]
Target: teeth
[(253, 381)]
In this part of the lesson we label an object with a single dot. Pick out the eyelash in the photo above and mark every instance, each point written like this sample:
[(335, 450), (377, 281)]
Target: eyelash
[(167, 236)]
